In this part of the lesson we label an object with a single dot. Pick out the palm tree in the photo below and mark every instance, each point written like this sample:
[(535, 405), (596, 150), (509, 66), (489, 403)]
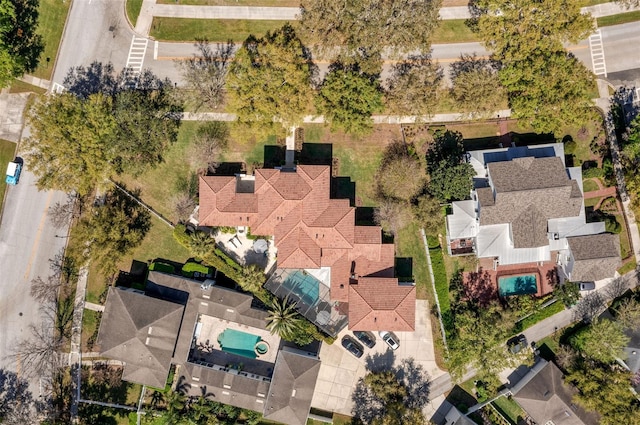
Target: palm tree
[(201, 244), (201, 409), (175, 407), (252, 278), (283, 318)]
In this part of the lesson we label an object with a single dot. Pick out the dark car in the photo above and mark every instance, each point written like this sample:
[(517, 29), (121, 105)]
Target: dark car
[(352, 346), (367, 338), (517, 343), (390, 338)]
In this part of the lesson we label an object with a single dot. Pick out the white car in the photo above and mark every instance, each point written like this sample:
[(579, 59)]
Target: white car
[(390, 338)]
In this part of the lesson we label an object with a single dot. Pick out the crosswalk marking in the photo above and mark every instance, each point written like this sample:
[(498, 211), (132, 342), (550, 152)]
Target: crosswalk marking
[(137, 52), (57, 88), (597, 54)]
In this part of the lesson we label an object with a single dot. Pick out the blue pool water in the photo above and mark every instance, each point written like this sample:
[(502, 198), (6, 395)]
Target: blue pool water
[(517, 285), (238, 342), (304, 286)]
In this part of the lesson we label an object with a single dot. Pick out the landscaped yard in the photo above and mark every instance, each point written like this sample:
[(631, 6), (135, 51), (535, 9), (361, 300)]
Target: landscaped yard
[(216, 30), (90, 323), (509, 409), (53, 14), (7, 154), (589, 185)]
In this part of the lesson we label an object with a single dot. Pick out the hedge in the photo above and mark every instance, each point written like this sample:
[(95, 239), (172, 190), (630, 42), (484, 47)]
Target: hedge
[(539, 315), (162, 267), (590, 173), (192, 267)]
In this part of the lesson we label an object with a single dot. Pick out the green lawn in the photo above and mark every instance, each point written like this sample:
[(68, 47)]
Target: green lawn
[(133, 10), (621, 18), (589, 185), (190, 29), (7, 154), (409, 244), (509, 409), (21, 87), (53, 14), (628, 266), (453, 31), (539, 315), (89, 327)]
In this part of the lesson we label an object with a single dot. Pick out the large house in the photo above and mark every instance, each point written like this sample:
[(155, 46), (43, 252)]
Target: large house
[(336, 271), (527, 209), (217, 340)]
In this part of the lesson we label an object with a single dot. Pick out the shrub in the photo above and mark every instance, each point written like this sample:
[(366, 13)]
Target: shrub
[(593, 172), (162, 267), (191, 267), (611, 224), (570, 147)]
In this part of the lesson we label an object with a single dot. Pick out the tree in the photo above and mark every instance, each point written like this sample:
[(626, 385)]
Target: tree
[(369, 26), (113, 229), (45, 290), (414, 86), (66, 150), (401, 178), (205, 74), (476, 87), (428, 214), (38, 352), (628, 3), (105, 125), (515, 29), (20, 45), (567, 293), (347, 98), (270, 80), (631, 146), (183, 206), (283, 318), (605, 389), (549, 90), (201, 409), (628, 313), (61, 214), (392, 216), (450, 175), (252, 278), (201, 244), (210, 141), (603, 341)]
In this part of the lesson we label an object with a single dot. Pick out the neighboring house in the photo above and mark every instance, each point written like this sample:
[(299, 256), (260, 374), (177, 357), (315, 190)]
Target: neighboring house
[(545, 397), (218, 342), (326, 263), (527, 210)]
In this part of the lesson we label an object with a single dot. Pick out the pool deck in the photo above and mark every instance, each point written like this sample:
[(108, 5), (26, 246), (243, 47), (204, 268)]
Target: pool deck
[(488, 277), (208, 346)]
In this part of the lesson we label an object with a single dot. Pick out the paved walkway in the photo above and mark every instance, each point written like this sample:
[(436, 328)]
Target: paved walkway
[(94, 307), (601, 193), (11, 117), (377, 119), (151, 9), (75, 355)]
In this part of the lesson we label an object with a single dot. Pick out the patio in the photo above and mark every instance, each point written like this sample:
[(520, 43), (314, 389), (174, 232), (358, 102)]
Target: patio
[(485, 279), (247, 251)]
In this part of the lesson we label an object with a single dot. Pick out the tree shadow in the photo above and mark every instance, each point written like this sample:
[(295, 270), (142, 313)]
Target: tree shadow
[(379, 362), (479, 287)]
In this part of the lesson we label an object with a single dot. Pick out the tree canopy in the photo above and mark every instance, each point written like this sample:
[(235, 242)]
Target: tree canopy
[(270, 79), (348, 98), (20, 45), (546, 85), (450, 176), (104, 125), (476, 87), (603, 341), (365, 27), (414, 86)]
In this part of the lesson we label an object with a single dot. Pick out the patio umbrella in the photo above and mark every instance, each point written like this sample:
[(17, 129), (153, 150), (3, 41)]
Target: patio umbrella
[(260, 246)]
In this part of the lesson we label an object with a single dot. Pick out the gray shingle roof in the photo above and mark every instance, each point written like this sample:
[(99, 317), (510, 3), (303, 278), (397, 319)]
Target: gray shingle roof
[(547, 398), (529, 192), (141, 332), (294, 381), (595, 256)]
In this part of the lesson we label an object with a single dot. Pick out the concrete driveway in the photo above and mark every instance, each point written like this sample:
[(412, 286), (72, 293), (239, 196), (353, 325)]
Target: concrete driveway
[(340, 370)]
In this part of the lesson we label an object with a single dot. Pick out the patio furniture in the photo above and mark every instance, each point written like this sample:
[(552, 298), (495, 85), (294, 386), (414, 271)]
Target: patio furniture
[(260, 246)]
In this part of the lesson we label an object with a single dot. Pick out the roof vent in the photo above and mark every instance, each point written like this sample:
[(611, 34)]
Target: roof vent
[(293, 393)]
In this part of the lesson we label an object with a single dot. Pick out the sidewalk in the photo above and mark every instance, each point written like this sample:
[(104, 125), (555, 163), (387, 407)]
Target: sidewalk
[(151, 9)]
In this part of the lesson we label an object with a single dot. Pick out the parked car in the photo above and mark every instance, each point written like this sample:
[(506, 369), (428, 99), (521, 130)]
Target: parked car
[(517, 343), (367, 338), (587, 286), (13, 173), (352, 346), (390, 338)]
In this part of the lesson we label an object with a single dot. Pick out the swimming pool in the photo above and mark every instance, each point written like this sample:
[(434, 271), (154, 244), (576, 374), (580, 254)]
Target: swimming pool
[(241, 343), (518, 285), (303, 285)]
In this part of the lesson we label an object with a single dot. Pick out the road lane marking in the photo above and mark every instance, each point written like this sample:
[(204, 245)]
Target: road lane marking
[(38, 234), (596, 47), (137, 51)]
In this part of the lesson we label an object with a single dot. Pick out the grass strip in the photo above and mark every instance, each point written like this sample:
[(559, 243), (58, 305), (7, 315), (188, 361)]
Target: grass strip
[(621, 18), (52, 16), (7, 154), (133, 10), (190, 29), (263, 3), (539, 315), (453, 31)]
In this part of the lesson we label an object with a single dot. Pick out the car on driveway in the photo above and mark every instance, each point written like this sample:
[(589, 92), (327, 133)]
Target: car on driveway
[(367, 338), (352, 346), (587, 286), (517, 343), (390, 338)]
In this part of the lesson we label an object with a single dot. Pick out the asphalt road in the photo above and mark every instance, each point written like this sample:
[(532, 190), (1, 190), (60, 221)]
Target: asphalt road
[(27, 242)]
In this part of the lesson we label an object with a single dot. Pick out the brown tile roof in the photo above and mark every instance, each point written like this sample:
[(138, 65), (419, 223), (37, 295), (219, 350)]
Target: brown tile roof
[(381, 304), (595, 257), (310, 229)]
